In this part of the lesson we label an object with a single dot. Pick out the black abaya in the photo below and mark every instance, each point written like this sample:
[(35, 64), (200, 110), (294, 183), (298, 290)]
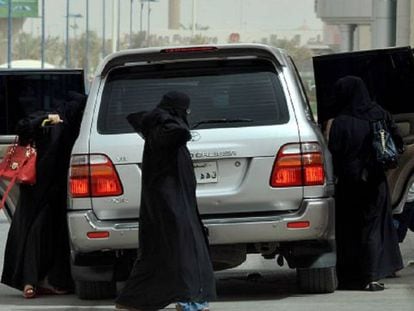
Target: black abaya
[(367, 245), (38, 244), (174, 263)]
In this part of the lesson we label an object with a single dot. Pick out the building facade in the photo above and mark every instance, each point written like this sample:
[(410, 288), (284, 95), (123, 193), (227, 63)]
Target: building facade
[(364, 24)]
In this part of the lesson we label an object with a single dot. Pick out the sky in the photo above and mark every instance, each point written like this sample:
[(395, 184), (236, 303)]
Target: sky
[(265, 16)]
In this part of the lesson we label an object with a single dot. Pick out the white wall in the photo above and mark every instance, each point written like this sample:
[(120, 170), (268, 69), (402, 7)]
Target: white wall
[(344, 11)]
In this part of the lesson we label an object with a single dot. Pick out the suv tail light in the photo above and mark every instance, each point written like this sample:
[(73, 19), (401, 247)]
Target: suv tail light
[(298, 165), (93, 176)]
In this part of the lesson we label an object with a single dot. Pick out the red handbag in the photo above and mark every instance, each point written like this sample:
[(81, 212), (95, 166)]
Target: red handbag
[(18, 166)]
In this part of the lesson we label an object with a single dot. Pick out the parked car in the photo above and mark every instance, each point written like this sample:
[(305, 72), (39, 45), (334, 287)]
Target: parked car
[(389, 76), (264, 173), (23, 91)]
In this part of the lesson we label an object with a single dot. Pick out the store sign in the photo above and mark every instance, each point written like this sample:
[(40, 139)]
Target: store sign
[(20, 8)]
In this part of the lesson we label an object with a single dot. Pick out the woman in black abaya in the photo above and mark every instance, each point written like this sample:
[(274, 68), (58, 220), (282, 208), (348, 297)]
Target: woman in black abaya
[(37, 251), (173, 263), (367, 245)]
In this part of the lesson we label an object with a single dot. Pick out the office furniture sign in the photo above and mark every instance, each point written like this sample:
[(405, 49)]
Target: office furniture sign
[(20, 8)]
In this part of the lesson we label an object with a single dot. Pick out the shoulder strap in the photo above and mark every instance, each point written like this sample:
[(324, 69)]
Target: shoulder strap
[(6, 193)]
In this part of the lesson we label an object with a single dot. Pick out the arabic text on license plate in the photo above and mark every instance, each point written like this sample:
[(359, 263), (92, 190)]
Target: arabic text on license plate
[(206, 172)]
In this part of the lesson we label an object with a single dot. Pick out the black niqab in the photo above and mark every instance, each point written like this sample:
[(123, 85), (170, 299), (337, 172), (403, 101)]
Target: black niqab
[(176, 103), (351, 93), (173, 264), (38, 244), (367, 246)]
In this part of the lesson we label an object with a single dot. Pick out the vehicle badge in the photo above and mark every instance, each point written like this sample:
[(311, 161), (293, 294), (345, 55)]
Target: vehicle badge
[(119, 200), (122, 159), (195, 136)]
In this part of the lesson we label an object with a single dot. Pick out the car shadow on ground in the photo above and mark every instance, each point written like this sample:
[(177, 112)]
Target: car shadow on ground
[(256, 285)]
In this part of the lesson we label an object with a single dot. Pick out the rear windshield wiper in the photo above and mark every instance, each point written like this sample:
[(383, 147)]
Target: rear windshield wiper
[(224, 120)]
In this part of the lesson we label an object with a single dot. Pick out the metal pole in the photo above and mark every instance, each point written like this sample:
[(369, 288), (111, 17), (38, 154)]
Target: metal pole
[(149, 23), (9, 34), (67, 35), (193, 26), (114, 23), (241, 14), (130, 24), (141, 16), (103, 28), (42, 48), (119, 25), (87, 40)]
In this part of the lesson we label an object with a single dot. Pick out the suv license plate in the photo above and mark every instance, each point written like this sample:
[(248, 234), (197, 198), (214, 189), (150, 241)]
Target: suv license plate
[(206, 172)]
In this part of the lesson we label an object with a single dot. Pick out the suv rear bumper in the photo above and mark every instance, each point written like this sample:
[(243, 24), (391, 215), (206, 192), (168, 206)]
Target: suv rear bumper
[(124, 234)]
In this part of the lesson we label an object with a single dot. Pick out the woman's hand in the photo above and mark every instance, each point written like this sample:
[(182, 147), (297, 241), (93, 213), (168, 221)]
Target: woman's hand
[(54, 119)]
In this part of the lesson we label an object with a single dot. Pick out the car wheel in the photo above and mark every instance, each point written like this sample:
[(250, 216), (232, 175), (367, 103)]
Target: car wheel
[(227, 256), (317, 280), (95, 290)]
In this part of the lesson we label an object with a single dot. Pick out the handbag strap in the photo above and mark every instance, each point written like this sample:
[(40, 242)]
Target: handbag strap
[(12, 181), (6, 193)]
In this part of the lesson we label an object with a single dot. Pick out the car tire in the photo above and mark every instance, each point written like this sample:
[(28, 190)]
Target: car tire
[(90, 290), (227, 256), (317, 280)]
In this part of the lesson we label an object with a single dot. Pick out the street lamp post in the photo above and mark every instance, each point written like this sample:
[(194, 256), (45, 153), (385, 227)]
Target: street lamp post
[(67, 35), (87, 39), (119, 25), (74, 27), (103, 28), (141, 16), (43, 35), (114, 24), (9, 34), (130, 23), (194, 21), (148, 20), (149, 23)]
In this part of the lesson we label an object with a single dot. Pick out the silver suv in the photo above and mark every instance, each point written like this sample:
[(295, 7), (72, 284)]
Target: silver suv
[(264, 175)]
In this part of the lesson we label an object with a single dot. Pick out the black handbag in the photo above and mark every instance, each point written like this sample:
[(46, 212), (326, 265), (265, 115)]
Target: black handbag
[(385, 151)]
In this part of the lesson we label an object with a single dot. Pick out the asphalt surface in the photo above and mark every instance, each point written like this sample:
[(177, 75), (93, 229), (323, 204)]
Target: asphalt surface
[(258, 285)]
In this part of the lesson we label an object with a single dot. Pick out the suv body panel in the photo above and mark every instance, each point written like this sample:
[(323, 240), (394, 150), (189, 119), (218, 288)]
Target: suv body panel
[(222, 231), (241, 175)]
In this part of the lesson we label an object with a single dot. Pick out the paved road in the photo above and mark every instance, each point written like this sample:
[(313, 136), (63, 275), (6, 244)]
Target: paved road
[(244, 289)]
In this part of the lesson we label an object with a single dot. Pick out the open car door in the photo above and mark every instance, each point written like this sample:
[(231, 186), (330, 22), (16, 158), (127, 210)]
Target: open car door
[(389, 77), (25, 91)]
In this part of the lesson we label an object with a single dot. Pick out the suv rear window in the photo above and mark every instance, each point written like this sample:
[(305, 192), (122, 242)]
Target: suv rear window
[(236, 89)]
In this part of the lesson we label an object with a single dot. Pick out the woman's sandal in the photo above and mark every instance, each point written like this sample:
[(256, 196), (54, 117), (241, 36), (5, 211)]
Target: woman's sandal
[(29, 292), (179, 308), (375, 286)]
